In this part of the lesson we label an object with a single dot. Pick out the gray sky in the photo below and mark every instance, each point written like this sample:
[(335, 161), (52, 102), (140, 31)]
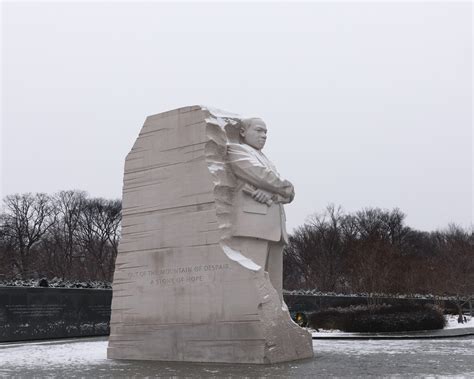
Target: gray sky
[(367, 104)]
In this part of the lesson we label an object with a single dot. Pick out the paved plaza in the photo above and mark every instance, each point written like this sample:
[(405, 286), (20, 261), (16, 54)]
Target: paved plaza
[(342, 358)]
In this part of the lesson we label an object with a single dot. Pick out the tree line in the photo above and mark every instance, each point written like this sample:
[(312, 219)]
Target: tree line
[(373, 251), (68, 235), (72, 236)]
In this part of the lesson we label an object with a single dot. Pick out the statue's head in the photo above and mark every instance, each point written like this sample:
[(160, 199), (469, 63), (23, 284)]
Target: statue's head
[(253, 132)]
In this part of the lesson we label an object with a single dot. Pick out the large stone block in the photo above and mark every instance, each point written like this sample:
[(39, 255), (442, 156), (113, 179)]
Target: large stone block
[(180, 291)]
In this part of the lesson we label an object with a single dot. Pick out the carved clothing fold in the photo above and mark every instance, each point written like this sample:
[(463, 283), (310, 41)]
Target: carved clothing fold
[(251, 218)]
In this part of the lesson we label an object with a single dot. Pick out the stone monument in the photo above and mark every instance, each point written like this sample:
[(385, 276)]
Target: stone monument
[(198, 276)]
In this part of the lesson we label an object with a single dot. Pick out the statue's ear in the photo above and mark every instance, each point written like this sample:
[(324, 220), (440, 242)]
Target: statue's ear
[(242, 131)]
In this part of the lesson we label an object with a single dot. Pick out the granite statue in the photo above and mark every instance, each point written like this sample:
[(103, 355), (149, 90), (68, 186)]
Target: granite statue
[(199, 269), (258, 226)]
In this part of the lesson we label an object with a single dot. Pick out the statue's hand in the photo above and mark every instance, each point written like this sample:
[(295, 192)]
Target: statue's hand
[(292, 196), (288, 190), (262, 196), (284, 200)]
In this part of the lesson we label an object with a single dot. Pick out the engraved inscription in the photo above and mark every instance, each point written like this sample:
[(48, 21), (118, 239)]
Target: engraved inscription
[(3, 315), (102, 310), (178, 275), (34, 310)]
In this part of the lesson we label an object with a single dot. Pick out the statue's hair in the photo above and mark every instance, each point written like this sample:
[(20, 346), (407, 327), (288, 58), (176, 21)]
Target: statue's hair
[(245, 122)]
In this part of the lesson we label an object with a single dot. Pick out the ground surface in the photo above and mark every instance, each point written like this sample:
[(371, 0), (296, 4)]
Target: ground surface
[(405, 358)]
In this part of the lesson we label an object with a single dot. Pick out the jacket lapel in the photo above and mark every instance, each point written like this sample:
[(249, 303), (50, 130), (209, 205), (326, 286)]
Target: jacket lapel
[(261, 158)]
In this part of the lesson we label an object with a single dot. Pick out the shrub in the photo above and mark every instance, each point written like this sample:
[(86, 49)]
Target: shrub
[(382, 318)]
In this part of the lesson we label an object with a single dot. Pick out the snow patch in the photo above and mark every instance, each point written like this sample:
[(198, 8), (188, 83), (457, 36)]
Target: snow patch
[(452, 322), (237, 256)]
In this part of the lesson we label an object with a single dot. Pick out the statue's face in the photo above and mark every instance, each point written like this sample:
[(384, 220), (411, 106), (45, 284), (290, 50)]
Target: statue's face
[(255, 135)]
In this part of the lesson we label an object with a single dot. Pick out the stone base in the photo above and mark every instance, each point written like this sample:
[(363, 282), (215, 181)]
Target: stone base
[(266, 335)]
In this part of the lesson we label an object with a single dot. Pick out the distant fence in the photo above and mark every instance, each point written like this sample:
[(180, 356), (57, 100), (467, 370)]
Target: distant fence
[(28, 313)]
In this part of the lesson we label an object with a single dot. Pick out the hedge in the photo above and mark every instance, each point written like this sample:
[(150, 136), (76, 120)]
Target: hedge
[(381, 318)]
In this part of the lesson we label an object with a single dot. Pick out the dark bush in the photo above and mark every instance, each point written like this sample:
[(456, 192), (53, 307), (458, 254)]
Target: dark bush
[(382, 318)]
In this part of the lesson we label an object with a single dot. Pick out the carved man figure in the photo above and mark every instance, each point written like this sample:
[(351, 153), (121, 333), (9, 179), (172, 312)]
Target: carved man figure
[(258, 224)]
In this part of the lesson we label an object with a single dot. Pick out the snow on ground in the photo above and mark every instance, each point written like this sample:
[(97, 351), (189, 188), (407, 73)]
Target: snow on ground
[(394, 347), (54, 355), (453, 322), (94, 353), (330, 331), (332, 358)]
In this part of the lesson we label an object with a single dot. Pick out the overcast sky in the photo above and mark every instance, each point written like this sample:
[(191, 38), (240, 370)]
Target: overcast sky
[(367, 104)]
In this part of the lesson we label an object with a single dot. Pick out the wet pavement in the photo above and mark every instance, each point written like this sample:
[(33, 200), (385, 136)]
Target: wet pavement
[(86, 358)]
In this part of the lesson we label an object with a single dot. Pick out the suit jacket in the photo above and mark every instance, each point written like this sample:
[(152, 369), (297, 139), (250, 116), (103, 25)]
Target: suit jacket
[(251, 218)]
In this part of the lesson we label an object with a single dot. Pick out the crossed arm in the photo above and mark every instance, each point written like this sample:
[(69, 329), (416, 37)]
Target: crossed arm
[(268, 184)]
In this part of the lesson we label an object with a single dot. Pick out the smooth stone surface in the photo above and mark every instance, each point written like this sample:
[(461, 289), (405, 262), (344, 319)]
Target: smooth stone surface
[(181, 291)]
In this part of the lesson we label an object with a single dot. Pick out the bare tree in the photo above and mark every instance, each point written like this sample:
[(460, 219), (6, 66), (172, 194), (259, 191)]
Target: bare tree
[(99, 235), (371, 266), (6, 247), (455, 265), (60, 245), (28, 217), (329, 247), (316, 250), (335, 251), (299, 262)]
